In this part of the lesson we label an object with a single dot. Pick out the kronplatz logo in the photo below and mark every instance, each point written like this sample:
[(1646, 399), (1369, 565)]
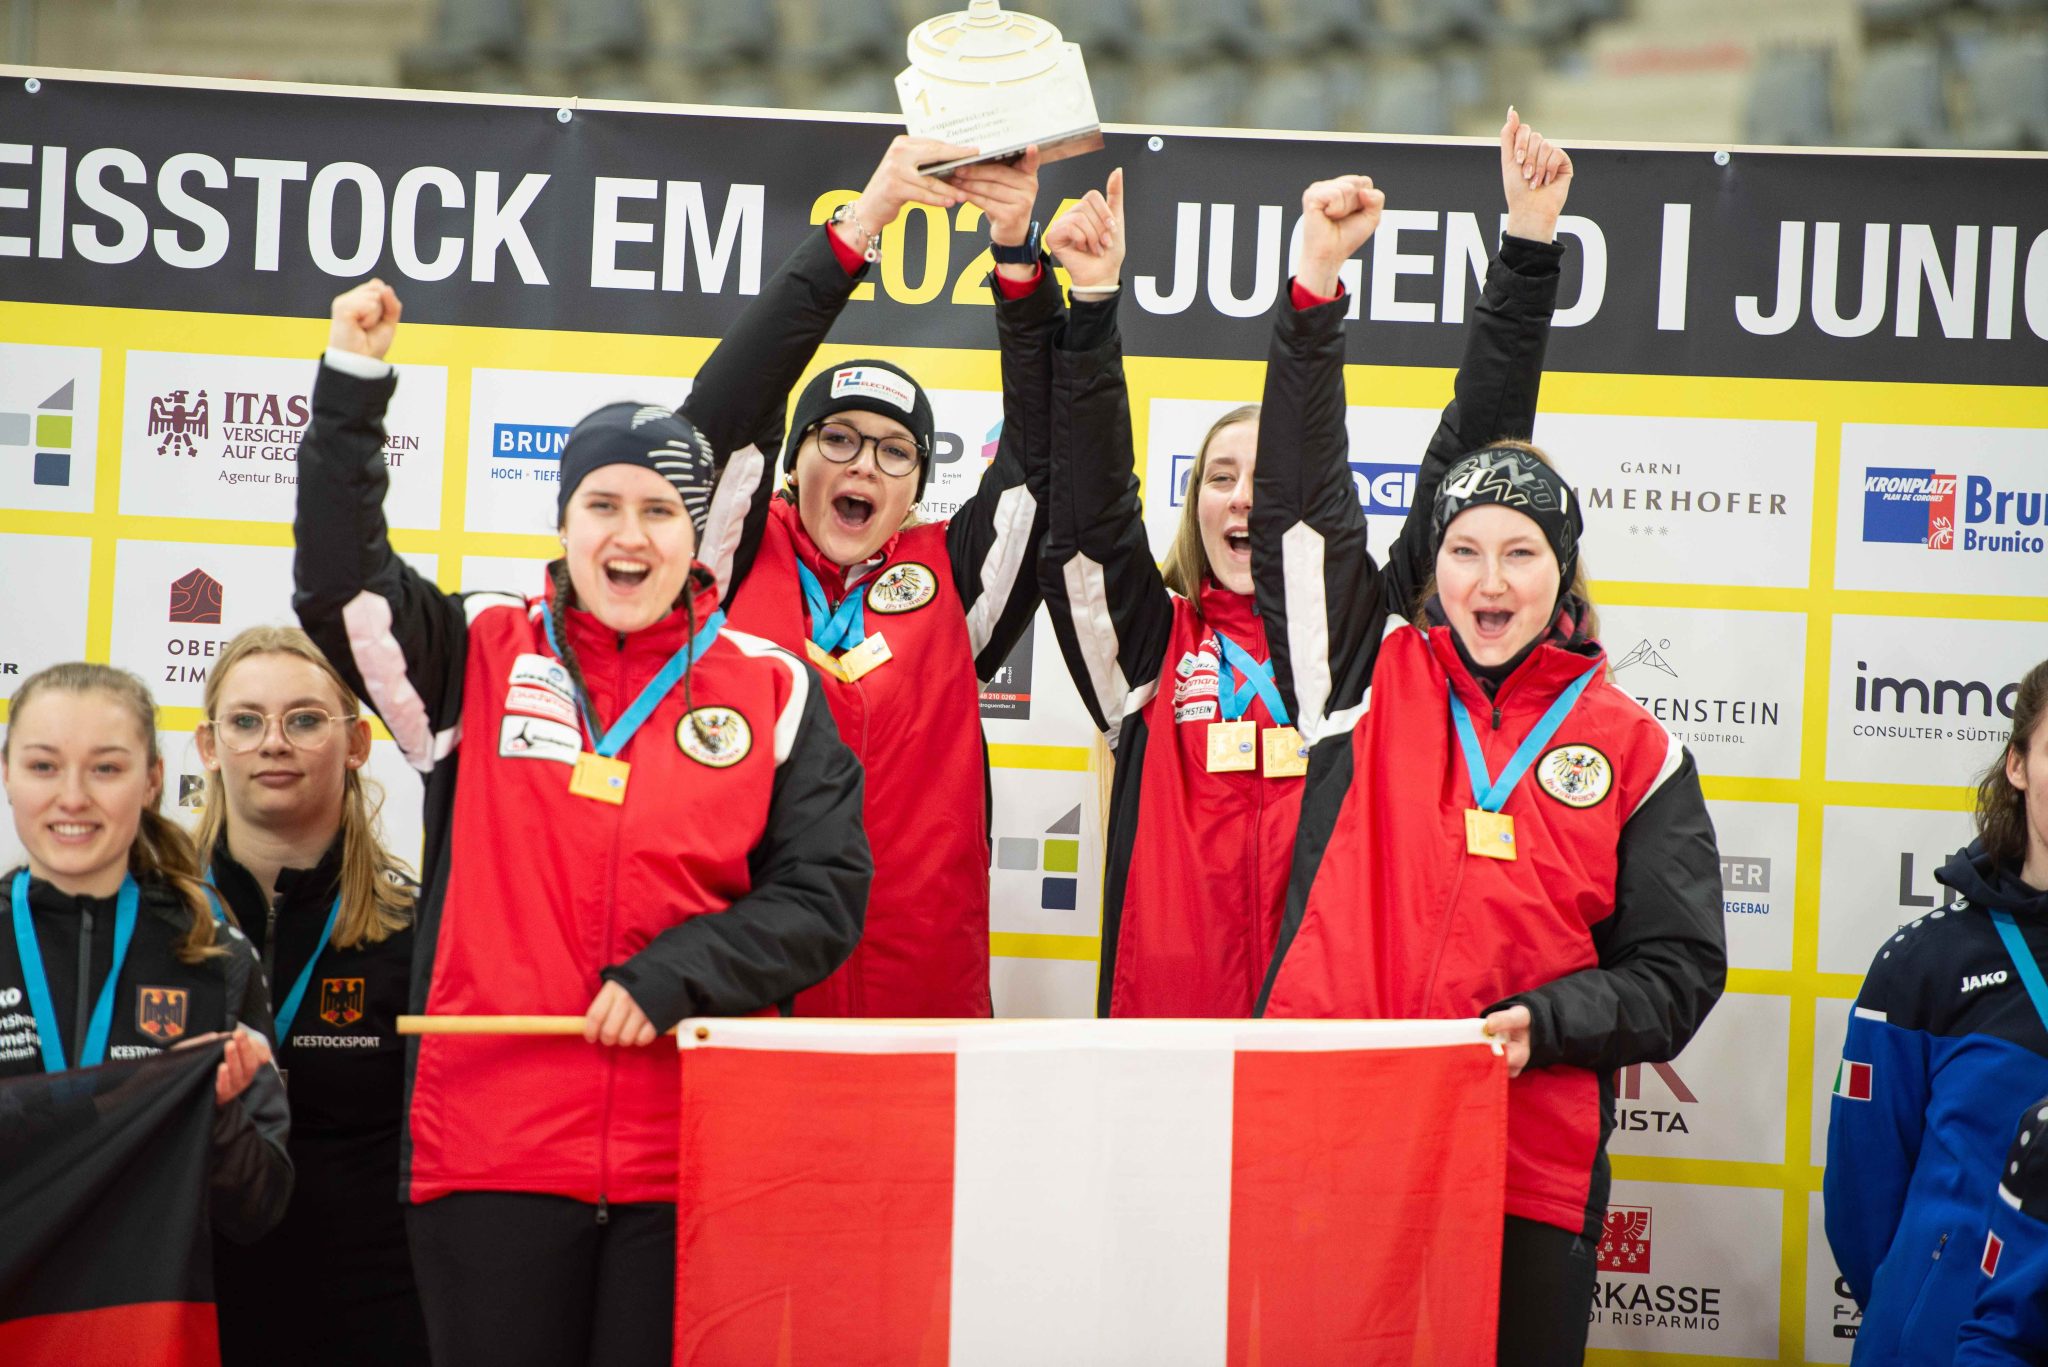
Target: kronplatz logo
[(1909, 507), (196, 599)]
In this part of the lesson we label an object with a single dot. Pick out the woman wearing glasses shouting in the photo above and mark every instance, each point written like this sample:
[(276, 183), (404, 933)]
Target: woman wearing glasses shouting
[(290, 839)]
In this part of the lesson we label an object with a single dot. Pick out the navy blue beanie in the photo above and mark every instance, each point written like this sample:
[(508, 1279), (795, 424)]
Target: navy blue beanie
[(647, 435)]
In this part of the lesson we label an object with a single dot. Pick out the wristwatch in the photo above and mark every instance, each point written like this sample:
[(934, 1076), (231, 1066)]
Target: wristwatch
[(1024, 253)]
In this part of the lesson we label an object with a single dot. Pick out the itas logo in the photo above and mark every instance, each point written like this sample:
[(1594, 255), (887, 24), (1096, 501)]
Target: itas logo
[(178, 418), (45, 433), (1909, 507), (1628, 1086), (1062, 856), (196, 599), (1625, 1240)]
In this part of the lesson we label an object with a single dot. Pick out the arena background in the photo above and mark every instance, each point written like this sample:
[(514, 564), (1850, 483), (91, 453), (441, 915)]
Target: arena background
[(1800, 394)]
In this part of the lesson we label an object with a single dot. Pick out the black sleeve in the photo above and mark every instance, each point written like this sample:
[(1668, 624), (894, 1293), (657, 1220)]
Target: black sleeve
[(741, 395), (396, 638), (993, 539), (251, 1177), (1494, 398), (1663, 953), (1316, 583), (1109, 608), (802, 918)]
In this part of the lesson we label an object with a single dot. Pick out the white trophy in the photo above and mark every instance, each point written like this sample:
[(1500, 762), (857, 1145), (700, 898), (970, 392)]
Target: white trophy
[(998, 80)]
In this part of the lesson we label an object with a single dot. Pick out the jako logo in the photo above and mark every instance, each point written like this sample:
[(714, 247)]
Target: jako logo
[(1977, 980), (527, 441), (1625, 1240), (1909, 507), (1929, 697), (1383, 490)]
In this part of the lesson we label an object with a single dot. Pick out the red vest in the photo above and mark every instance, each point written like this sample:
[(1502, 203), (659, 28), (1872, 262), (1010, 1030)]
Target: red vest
[(545, 888), (915, 723), (1401, 922), (1210, 856)]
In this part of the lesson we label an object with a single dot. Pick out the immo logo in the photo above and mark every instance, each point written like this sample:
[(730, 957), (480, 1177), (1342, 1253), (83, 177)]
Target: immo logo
[(1909, 507), (1059, 854), (1383, 490), (45, 432)]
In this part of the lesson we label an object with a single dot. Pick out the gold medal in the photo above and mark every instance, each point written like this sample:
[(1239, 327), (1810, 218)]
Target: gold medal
[(867, 657), (1230, 746), (1286, 753), (827, 665), (600, 778), (1490, 835)]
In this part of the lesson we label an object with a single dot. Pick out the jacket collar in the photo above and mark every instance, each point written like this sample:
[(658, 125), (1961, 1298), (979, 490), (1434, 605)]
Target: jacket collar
[(835, 578), (1234, 614), (1549, 669), (663, 637), (295, 887)]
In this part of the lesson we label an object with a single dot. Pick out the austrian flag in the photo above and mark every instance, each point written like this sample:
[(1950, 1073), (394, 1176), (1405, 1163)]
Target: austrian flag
[(1081, 1192)]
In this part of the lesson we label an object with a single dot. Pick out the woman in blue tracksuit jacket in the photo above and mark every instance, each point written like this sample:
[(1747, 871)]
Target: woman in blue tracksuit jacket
[(2010, 1325), (1949, 1037)]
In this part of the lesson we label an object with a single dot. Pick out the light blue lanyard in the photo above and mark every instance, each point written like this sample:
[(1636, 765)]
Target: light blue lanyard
[(650, 696), (832, 631), (37, 979), (290, 1009), (2023, 960), (1236, 695), (1492, 794)]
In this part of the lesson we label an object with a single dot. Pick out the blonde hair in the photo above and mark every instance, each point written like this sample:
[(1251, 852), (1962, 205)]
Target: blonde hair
[(1187, 564), (1588, 623), (161, 851), (376, 896)]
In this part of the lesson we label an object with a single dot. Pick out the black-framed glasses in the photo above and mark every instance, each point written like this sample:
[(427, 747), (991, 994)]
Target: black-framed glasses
[(303, 728), (841, 444)]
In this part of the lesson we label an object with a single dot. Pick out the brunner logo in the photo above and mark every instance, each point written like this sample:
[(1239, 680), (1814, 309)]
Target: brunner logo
[(527, 451), (1628, 1087), (1625, 1248), (1945, 513), (178, 418), (1060, 889), (45, 431)]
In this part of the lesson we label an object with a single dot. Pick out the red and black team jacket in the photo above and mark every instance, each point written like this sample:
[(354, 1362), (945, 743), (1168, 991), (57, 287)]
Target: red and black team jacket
[(345, 1064), (1607, 925), (951, 599), (158, 1001), (731, 877), (1198, 862)]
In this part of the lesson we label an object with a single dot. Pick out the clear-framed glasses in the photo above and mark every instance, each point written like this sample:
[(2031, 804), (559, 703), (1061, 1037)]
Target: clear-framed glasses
[(841, 443), (303, 728)]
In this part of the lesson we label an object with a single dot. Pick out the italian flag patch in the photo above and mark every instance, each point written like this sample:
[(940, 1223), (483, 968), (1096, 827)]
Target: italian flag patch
[(1852, 1080), (1993, 1246)]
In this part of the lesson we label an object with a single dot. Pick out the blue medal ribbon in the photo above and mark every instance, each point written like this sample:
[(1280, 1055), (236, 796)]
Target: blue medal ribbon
[(126, 906), (2022, 960), (1492, 794), (1236, 695), (290, 1009), (832, 631), (650, 697)]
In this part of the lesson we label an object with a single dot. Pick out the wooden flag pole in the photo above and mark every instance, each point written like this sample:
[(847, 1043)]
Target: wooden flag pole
[(490, 1025)]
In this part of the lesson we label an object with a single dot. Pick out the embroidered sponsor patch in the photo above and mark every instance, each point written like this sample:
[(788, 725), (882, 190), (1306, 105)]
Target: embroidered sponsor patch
[(717, 736), (538, 738), (160, 1011), (533, 701), (1576, 775), (341, 1000), (902, 588), (1196, 711), (870, 382), (1195, 686), (538, 671)]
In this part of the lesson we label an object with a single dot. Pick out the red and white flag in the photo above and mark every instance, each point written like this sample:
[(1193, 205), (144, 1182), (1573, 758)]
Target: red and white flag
[(1079, 1192)]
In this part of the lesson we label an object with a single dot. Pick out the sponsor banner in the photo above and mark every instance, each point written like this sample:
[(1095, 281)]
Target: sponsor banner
[(218, 437), (1045, 854), (1943, 510), (1387, 444), (1832, 1317), (1712, 1101), (1008, 694), (1830, 1028), (177, 604), (967, 425), (1689, 1269), (656, 221), (1689, 500), (518, 421), (49, 426), (1924, 700), (46, 626), (1759, 844), (1051, 712), (1729, 685), (1042, 987), (1877, 867)]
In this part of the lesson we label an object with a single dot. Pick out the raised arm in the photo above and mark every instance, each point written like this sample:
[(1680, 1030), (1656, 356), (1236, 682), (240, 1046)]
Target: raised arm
[(396, 638), (1110, 609), (993, 540), (1316, 583)]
